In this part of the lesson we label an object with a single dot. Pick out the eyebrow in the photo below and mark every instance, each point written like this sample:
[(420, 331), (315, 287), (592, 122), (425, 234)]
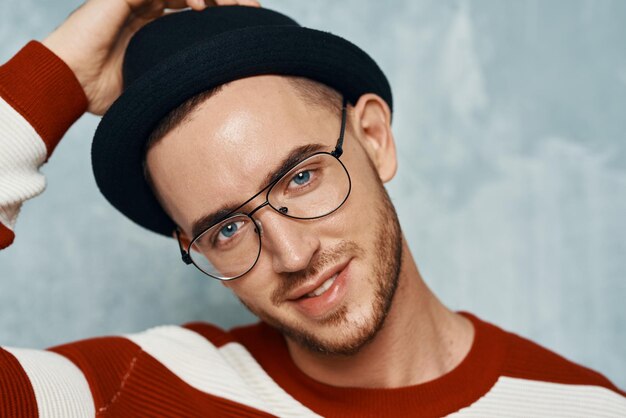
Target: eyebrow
[(294, 156)]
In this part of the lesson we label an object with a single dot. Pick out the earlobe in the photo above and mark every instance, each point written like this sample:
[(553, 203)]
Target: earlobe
[(182, 238), (372, 117)]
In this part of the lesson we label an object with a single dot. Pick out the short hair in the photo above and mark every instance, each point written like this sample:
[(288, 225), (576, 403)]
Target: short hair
[(312, 92)]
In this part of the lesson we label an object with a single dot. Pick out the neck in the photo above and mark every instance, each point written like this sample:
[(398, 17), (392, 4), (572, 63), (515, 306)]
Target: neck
[(421, 340)]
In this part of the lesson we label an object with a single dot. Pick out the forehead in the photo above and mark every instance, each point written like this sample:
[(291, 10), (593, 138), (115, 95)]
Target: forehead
[(229, 143)]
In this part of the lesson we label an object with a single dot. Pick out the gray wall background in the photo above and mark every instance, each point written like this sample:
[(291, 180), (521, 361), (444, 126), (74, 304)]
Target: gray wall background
[(511, 188)]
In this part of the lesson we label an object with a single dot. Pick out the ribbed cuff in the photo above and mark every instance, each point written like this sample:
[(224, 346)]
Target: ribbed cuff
[(44, 90)]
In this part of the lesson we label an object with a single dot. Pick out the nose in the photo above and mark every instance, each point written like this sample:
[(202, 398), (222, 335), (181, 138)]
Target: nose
[(292, 243)]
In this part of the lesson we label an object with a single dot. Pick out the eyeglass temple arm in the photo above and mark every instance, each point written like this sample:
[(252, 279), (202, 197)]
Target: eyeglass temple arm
[(184, 254), (339, 148)]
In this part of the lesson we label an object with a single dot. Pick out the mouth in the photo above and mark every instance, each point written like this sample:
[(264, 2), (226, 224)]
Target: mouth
[(320, 285), (323, 288), (324, 294)]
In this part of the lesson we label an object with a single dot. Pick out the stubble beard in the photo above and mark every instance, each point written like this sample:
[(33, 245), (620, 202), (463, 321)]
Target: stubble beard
[(351, 335)]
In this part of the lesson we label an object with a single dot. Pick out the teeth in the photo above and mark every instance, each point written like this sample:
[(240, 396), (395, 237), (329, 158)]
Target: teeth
[(324, 287)]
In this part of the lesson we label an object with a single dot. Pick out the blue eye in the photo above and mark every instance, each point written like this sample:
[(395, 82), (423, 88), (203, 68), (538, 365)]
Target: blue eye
[(229, 230), (302, 177)]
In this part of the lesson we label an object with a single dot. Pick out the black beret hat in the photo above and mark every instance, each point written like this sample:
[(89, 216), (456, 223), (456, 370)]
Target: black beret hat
[(183, 54)]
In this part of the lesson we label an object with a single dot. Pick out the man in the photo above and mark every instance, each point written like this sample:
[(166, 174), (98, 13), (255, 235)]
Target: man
[(262, 147)]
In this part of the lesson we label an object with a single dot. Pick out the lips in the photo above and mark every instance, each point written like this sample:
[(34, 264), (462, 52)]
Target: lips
[(324, 287), (317, 285), (327, 297)]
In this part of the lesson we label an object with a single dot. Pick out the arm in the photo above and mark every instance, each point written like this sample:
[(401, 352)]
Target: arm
[(26, 380), (47, 86), (40, 98)]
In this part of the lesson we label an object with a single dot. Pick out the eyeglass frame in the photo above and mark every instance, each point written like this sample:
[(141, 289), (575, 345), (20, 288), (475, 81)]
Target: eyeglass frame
[(337, 152)]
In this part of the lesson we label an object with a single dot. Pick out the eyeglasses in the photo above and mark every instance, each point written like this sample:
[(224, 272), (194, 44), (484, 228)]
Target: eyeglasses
[(314, 187)]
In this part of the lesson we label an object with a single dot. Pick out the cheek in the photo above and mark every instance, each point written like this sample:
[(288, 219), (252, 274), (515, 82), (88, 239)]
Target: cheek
[(357, 218), (254, 289)]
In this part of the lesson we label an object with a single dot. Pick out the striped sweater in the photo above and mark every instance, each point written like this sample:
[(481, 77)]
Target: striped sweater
[(200, 370)]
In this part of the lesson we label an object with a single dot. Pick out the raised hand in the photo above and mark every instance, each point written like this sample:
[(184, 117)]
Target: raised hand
[(92, 40)]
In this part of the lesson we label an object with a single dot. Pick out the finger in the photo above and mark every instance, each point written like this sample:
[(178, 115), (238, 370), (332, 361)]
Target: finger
[(196, 4), (251, 3), (175, 4), (200, 4)]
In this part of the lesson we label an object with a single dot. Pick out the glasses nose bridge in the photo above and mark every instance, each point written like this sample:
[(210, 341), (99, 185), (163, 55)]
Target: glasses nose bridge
[(262, 205), (281, 210)]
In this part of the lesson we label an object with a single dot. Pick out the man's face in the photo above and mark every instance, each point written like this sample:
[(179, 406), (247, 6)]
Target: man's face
[(219, 158)]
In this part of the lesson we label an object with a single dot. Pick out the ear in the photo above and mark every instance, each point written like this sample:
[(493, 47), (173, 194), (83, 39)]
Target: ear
[(371, 118), (182, 237)]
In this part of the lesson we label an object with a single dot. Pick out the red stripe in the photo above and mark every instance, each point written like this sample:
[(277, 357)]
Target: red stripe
[(127, 382), (6, 236), (152, 390), (17, 398), (44, 90), (104, 361), (529, 360)]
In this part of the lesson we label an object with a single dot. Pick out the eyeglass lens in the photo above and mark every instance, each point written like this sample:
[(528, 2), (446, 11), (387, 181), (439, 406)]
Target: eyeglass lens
[(316, 187)]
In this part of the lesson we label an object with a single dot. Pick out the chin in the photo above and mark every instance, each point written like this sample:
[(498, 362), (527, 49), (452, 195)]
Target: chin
[(345, 331)]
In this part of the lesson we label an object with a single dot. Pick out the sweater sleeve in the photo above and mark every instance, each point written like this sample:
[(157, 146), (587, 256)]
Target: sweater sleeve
[(40, 98), (41, 383)]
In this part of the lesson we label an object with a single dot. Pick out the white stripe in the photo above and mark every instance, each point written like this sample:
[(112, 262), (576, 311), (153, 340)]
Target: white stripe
[(22, 152), (283, 404), (512, 397), (219, 372), (61, 389)]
